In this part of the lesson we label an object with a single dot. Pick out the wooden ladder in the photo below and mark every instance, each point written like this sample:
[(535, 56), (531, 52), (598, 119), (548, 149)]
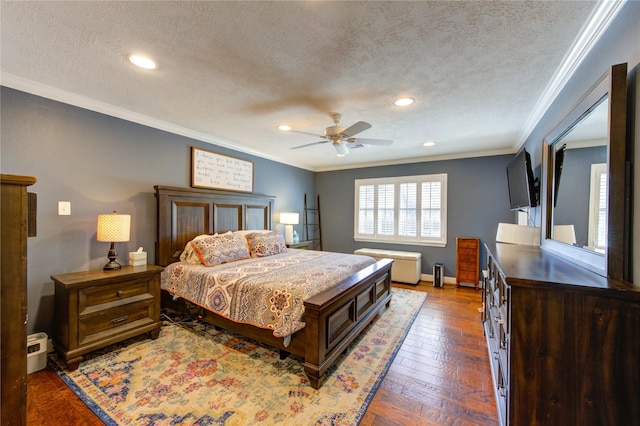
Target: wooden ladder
[(312, 228)]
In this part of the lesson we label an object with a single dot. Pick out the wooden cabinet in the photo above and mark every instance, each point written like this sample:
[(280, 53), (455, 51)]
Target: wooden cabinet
[(563, 342), (15, 211), (98, 308), (467, 260)]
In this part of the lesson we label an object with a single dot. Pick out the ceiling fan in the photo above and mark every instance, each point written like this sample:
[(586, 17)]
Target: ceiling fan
[(342, 138)]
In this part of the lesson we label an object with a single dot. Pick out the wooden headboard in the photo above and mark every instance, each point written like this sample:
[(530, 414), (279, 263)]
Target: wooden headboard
[(184, 213)]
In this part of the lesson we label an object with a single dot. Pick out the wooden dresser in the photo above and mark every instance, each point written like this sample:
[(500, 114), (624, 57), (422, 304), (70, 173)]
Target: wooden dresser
[(15, 214), (97, 308), (467, 260), (564, 342)]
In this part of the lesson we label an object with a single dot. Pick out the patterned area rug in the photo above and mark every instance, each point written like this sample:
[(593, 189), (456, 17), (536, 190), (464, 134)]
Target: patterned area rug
[(195, 374)]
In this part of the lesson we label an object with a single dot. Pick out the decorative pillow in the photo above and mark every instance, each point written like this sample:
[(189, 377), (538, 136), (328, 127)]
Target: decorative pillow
[(217, 249), (245, 232), (188, 254), (265, 244)]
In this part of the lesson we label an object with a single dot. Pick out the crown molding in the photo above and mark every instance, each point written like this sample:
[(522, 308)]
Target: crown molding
[(602, 16)]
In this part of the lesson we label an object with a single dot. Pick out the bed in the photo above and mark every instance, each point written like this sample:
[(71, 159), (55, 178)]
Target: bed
[(332, 318)]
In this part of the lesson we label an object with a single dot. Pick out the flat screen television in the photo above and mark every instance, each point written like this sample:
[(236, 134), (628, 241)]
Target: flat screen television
[(558, 164), (522, 185)]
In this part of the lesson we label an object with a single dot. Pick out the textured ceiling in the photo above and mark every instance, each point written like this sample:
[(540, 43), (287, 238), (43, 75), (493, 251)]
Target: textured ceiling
[(230, 72)]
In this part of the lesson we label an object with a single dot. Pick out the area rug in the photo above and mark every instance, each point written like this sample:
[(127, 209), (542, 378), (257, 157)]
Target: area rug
[(194, 374)]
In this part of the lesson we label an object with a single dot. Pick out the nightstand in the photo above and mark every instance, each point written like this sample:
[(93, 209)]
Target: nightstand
[(304, 245), (94, 309)]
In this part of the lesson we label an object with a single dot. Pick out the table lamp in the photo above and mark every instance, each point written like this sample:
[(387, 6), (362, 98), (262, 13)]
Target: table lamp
[(113, 228)]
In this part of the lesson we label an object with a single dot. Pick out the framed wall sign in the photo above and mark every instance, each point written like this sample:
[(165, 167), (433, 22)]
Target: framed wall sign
[(217, 171)]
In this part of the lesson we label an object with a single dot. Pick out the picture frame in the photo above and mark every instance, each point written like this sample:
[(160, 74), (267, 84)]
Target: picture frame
[(212, 170)]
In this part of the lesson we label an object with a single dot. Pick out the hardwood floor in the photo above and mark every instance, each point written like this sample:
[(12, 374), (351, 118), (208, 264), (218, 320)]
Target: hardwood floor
[(440, 376)]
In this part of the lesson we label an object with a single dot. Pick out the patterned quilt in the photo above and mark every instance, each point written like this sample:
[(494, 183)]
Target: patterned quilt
[(267, 292)]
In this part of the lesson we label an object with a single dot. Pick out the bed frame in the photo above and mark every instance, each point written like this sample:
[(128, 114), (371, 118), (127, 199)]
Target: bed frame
[(334, 318)]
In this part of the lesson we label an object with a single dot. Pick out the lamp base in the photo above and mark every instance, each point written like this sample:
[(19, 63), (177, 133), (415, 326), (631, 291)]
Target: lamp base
[(112, 266), (288, 234)]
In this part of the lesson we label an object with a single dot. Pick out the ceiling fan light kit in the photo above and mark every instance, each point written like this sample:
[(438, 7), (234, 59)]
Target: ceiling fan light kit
[(342, 138)]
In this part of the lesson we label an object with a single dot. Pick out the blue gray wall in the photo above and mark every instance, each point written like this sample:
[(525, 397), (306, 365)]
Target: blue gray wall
[(99, 164), (477, 200), (575, 188), (620, 44)]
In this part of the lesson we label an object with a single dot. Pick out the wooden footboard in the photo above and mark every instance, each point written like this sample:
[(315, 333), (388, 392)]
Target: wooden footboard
[(335, 317)]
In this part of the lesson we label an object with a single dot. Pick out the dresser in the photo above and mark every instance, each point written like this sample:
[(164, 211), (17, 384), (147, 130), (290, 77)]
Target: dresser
[(563, 342), (467, 261), (97, 308), (14, 226)]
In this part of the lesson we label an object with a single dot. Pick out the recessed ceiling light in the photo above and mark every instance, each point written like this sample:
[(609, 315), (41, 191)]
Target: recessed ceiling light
[(429, 143), (284, 128), (142, 62), (403, 101)]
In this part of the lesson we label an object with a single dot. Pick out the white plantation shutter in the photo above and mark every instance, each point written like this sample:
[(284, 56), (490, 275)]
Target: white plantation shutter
[(385, 209), (408, 209), (366, 207), (598, 207), (407, 217), (431, 225)]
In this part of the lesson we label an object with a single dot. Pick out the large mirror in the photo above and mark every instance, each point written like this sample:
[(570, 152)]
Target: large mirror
[(584, 180)]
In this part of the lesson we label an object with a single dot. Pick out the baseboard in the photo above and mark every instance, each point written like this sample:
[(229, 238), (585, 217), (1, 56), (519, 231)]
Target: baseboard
[(448, 280)]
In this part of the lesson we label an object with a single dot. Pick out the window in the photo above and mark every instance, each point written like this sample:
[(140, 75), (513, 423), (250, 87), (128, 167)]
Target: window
[(407, 210), (598, 207)]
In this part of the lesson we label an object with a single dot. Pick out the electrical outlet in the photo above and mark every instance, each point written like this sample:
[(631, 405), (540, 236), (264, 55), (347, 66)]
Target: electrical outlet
[(64, 208)]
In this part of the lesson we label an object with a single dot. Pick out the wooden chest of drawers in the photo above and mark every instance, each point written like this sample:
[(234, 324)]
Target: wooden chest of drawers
[(467, 260), (97, 308)]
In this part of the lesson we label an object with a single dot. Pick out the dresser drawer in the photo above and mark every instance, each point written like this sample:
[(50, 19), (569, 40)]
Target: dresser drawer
[(471, 252), (468, 244), (467, 265), (115, 293), (101, 324), (467, 277)]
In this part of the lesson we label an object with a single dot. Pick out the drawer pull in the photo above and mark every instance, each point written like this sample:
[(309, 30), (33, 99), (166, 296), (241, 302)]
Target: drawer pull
[(117, 320), (119, 293)]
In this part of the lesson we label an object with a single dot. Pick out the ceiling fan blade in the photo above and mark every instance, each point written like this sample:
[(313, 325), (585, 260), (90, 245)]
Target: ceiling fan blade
[(308, 144), (360, 126), (306, 133), (363, 141)]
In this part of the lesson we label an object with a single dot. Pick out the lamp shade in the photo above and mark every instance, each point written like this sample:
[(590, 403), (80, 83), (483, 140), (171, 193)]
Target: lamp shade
[(288, 218), (518, 234), (113, 227), (341, 149)]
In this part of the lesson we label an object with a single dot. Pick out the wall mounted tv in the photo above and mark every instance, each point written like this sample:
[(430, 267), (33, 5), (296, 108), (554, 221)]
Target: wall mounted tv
[(523, 188)]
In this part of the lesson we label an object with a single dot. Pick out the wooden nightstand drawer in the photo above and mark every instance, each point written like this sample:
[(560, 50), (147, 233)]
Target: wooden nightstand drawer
[(97, 308), (101, 324), (113, 293)]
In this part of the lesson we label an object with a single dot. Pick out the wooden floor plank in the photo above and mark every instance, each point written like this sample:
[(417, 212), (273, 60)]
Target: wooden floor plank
[(440, 376)]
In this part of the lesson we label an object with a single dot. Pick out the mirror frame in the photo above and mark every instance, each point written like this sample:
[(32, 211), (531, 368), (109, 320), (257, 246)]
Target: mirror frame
[(613, 84)]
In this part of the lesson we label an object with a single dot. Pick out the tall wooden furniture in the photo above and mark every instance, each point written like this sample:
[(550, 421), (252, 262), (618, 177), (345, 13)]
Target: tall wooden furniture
[(564, 342), (97, 308), (13, 297), (467, 260)]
